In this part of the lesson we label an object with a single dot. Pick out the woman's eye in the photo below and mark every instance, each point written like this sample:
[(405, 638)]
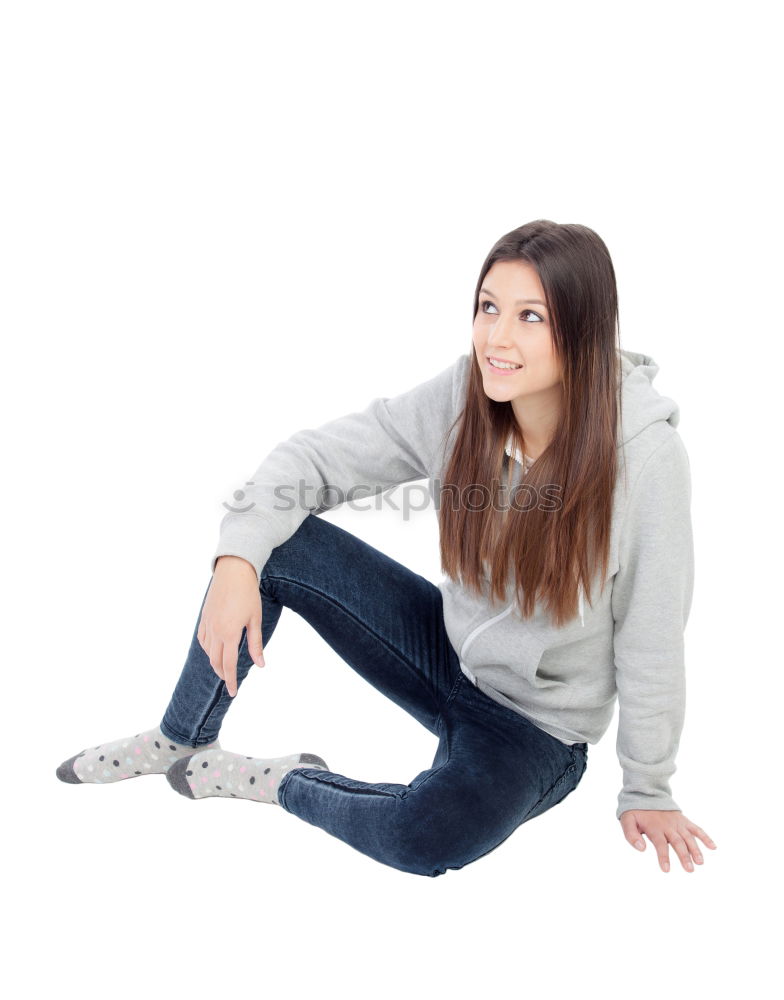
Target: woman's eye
[(525, 312)]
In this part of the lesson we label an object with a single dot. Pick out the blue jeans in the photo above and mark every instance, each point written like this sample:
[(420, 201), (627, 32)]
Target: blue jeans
[(493, 769)]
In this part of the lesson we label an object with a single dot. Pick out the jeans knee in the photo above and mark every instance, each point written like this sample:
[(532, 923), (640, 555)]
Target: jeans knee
[(419, 862), (427, 847), (432, 861)]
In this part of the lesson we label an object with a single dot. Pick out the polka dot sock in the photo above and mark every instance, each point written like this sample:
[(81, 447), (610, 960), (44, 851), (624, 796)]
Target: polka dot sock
[(145, 753), (217, 772)]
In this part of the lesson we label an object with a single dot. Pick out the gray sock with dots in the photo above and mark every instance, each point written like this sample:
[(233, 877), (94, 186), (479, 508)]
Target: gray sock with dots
[(231, 775), (145, 753)]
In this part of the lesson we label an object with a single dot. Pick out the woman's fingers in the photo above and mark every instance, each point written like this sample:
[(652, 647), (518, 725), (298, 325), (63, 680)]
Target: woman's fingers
[(681, 848), (661, 844), (230, 666), (254, 640), (694, 849), (223, 660), (699, 832), (665, 827)]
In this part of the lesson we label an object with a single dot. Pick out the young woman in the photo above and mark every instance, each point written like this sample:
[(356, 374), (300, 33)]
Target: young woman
[(563, 494)]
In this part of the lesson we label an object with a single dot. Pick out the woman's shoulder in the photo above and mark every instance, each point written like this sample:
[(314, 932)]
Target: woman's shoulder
[(656, 454)]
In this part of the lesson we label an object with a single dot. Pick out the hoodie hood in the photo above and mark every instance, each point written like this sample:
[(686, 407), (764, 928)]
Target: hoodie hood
[(640, 406)]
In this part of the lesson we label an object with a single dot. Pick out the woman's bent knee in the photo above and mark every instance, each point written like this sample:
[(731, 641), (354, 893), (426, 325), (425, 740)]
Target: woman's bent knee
[(425, 845)]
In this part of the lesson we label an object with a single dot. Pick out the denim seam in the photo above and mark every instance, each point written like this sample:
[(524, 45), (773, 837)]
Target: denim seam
[(432, 771), (458, 680), (393, 649), (322, 779), (570, 770), (450, 698)]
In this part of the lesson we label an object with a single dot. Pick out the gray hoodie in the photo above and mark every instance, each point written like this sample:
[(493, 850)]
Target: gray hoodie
[(627, 643)]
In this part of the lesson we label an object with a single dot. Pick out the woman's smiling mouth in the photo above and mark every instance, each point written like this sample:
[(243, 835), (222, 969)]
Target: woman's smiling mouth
[(500, 367)]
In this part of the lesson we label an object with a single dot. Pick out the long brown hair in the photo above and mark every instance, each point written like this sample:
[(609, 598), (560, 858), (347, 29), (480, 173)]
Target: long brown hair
[(559, 542)]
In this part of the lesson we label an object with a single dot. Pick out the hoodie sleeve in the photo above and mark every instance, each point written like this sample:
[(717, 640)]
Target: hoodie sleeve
[(651, 600), (392, 441)]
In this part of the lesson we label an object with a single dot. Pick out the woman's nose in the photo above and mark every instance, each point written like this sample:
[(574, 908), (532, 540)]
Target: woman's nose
[(499, 335)]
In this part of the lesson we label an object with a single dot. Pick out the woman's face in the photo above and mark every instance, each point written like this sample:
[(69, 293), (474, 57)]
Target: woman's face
[(512, 324)]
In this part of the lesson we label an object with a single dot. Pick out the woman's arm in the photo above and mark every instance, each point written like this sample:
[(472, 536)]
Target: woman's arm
[(392, 441), (651, 600)]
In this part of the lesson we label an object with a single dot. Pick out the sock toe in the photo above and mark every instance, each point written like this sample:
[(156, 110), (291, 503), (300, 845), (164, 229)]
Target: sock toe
[(177, 778), (65, 772), (312, 758)]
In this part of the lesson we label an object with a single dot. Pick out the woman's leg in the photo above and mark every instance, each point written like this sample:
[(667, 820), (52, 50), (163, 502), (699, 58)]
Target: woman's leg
[(384, 620), (493, 771), (380, 617)]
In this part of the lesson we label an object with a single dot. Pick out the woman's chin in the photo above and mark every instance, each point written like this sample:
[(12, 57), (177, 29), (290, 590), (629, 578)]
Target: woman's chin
[(500, 393)]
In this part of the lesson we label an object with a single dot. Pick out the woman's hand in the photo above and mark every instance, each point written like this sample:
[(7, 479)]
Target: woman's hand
[(233, 603), (664, 827)]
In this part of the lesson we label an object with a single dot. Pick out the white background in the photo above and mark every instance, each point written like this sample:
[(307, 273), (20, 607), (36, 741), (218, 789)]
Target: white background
[(222, 222)]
